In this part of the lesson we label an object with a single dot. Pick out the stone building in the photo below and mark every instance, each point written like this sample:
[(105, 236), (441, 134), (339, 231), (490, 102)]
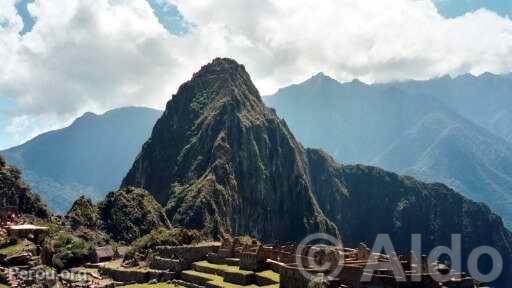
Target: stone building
[(103, 254)]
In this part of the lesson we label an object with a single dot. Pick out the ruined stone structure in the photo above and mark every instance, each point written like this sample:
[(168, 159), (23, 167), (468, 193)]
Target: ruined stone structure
[(230, 248), (337, 267), (179, 258), (103, 254), (253, 258)]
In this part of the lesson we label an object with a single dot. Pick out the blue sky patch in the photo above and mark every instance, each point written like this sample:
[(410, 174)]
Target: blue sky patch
[(169, 16), (455, 8), (28, 20)]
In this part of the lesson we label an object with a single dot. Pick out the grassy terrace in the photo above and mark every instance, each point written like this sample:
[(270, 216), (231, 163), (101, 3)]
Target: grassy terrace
[(159, 285), (212, 275), (15, 249), (117, 265)]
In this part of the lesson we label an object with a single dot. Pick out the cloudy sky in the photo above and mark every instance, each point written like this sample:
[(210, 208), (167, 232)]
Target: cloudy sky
[(59, 59)]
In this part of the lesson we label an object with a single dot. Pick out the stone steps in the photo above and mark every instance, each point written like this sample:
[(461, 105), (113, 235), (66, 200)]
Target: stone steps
[(267, 278), (198, 278), (232, 261), (181, 283), (212, 275)]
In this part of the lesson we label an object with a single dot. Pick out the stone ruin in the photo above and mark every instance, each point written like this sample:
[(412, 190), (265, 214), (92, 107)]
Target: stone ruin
[(179, 258), (253, 258), (337, 267)]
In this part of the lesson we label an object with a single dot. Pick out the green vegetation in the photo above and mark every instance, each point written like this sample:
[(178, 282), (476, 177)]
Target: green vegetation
[(215, 280), (70, 251), (16, 248), (158, 285), (10, 241), (219, 269), (213, 274), (162, 237), (84, 213), (130, 213), (14, 192), (269, 274)]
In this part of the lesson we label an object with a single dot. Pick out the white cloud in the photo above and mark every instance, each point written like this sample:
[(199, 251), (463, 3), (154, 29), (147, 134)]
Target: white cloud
[(285, 41), (93, 55)]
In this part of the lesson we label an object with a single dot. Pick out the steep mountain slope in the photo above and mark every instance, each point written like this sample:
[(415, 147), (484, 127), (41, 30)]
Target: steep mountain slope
[(456, 152), (90, 157), (365, 201), (15, 193), (410, 133), (222, 162)]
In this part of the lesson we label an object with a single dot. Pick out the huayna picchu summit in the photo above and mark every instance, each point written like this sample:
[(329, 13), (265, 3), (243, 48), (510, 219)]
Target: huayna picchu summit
[(220, 161)]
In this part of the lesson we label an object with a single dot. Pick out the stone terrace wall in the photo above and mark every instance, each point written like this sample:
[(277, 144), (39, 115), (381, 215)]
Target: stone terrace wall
[(188, 253)]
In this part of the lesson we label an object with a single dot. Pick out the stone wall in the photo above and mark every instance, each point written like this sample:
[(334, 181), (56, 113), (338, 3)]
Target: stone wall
[(137, 276), (189, 253), (253, 258), (165, 264)]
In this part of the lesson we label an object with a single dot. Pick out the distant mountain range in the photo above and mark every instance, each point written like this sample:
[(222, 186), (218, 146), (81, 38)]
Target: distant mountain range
[(455, 131), (90, 157)]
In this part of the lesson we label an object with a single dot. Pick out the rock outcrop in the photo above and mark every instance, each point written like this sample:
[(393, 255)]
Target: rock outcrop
[(222, 162), (130, 213), (15, 193), (84, 213)]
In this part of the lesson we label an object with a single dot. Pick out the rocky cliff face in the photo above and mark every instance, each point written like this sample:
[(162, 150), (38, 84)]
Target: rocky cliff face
[(220, 161), (14, 192), (366, 201)]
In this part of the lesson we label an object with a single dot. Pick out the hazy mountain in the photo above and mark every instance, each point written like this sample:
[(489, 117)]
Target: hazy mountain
[(221, 162), (485, 100), (404, 129), (451, 150), (90, 157), (353, 121)]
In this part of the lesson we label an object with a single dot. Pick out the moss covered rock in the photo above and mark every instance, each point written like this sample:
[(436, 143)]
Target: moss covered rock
[(130, 213), (84, 213), (67, 250)]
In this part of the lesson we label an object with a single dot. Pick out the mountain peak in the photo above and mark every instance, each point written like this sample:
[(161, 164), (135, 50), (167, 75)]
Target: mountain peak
[(215, 156), (320, 80), (221, 83), (219, 67), (321, 76), (358, 82)]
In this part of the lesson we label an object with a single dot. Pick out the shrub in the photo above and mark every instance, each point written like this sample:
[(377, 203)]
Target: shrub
[(163, 237), (70, 251)]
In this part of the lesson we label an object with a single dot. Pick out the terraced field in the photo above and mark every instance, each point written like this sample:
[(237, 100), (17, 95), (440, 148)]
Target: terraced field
[(159, 285), (223, 275)]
